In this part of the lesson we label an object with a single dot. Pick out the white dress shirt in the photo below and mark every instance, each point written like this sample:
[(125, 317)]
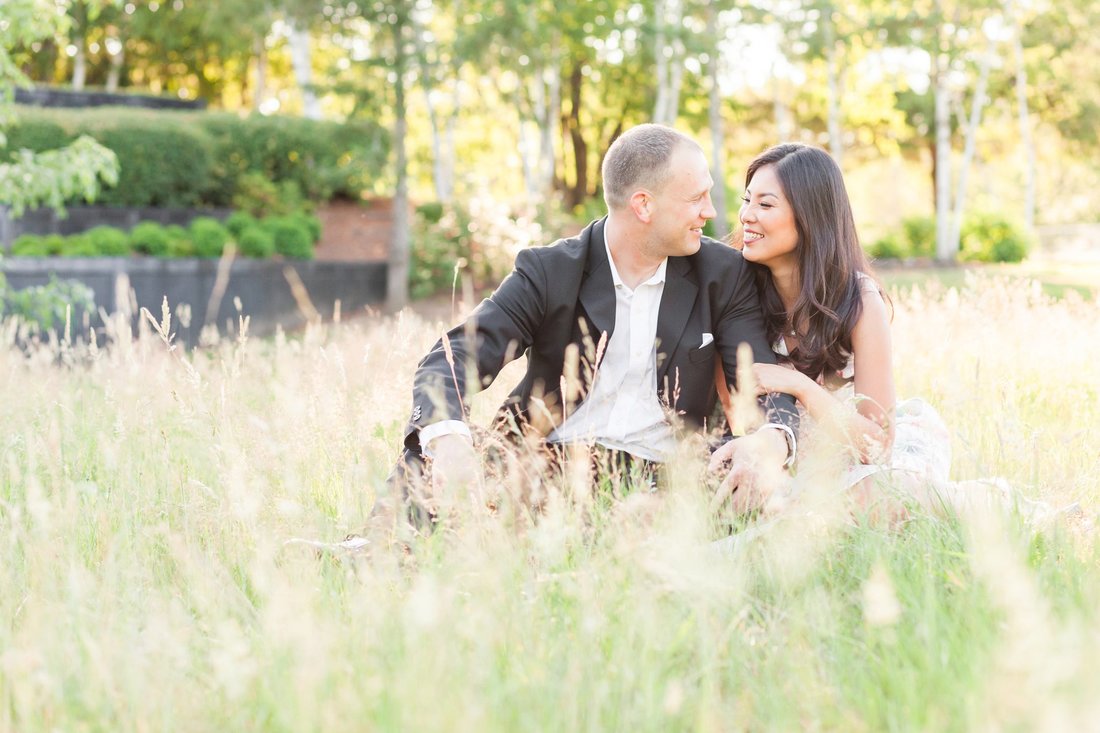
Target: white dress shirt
[(621, 410)]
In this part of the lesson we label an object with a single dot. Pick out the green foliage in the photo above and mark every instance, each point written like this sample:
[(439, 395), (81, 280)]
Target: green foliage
[(310, 222), (271, 165), (440, 245), (108, 241), (985, 237), (990, 237), (34, 245), (208, 236), (46, 306), (150, 238), (915, 238), (160, 165), (78, 245), (255, 241), (476, 241), (55, 177), (292, 237), (260, 196), (238, 222), (888, 247)]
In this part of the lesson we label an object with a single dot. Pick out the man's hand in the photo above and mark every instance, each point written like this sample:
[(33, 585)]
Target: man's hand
[(456, 469), (755, 469)]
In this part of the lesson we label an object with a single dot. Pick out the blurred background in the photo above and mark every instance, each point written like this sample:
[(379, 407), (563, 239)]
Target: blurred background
[(967, 129)]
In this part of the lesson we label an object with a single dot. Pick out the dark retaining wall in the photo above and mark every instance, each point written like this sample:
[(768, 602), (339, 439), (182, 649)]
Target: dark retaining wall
[(82, 218), (261, 286), (52, 97)]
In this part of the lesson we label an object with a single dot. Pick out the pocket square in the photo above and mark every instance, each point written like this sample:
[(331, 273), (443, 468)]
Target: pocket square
[(707, 338)]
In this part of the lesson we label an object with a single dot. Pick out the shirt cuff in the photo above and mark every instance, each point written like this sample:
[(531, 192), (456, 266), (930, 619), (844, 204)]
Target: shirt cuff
[(428, 433), (792, 441)]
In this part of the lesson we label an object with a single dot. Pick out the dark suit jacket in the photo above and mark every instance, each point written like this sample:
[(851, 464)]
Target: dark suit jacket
[(563, 294)]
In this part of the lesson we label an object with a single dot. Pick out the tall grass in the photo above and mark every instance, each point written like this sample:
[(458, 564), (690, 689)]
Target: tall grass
[(146, 495)]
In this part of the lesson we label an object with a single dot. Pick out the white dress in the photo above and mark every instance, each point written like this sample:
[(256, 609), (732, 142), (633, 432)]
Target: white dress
[(922, 443)]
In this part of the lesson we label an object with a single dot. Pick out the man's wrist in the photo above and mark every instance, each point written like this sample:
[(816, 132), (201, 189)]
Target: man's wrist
[(788, 438), (430, 433)]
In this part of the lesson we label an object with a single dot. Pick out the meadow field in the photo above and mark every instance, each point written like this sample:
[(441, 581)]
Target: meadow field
[(147, 496)]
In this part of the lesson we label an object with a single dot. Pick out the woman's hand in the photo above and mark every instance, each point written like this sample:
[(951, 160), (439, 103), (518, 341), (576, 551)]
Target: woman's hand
[(775, 378)]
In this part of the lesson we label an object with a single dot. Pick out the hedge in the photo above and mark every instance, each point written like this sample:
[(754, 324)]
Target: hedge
[(291, 236), (184, 158)]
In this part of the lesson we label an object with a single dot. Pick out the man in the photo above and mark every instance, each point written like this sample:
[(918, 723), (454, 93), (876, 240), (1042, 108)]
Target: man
[(639, 301)]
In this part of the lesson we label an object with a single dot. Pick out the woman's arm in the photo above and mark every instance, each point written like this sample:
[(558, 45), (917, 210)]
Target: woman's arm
[(870, 429)]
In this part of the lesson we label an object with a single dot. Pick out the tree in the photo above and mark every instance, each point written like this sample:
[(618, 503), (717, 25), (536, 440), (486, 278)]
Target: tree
[(55, 176)]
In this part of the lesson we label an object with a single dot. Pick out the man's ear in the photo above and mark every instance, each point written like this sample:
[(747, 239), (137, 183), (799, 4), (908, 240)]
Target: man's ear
[(641, 203)]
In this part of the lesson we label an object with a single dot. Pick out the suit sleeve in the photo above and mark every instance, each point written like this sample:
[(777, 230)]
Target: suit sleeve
[(499, 330), (742, 321)]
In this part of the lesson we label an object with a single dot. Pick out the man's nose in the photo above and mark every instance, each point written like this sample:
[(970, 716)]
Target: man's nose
[(709, 212)]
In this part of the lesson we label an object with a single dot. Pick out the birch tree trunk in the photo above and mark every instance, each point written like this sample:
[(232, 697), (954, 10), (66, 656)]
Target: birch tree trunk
[(717, 137), (783, 123), (397, 280), (1026, 143), (301, 58), (259, 91), (80, 65), (549, 115), (661, 59), (836, 141), (114, 71), (971, 137), (669, 54), (945, 251)]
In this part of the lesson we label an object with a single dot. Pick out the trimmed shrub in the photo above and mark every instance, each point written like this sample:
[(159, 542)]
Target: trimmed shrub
[(150, 238), (259, 196), (158, 165), (174, 158), (208, 236), (255, 241), (108, 241), (988, 237), (889, 247), (33, 245), (311, 223), (919, 236), (238, 222), (292, 238), (79, 245), (179, 242)]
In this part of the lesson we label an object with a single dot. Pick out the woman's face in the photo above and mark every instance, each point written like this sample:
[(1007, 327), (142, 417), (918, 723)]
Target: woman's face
[(770, 236)]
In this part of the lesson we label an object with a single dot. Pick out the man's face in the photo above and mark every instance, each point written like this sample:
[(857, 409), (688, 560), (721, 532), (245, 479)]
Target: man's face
[(680, 209)]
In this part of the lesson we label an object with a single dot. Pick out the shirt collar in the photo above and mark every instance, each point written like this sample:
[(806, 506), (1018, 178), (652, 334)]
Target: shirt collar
[(657, 278)]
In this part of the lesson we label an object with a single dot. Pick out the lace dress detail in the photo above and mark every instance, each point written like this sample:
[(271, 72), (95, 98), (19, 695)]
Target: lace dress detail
[(922, 443)]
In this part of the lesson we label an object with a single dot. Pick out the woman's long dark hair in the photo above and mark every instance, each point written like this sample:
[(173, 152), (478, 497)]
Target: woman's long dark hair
[(830, 260)]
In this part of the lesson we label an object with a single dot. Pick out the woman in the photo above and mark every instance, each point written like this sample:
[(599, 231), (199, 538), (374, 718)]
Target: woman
[(830, 325)]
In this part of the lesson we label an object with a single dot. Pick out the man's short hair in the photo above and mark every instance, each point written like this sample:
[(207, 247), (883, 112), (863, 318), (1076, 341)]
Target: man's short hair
[(639, 158)]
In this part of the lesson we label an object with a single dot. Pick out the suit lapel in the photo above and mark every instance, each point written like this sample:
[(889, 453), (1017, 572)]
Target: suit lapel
[(597, 292), (676, 305)]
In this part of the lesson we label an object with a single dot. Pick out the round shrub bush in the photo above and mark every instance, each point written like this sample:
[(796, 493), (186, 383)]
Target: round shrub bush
[(79, 245), (889, 247), (108, 241), (32, 245), (292, 239), (311, 223), (150, 238), (988, 237), (255, 241), (208, 236), (238, 222)]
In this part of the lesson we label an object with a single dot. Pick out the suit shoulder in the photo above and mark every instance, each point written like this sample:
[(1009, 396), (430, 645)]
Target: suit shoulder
[(713, 253)]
